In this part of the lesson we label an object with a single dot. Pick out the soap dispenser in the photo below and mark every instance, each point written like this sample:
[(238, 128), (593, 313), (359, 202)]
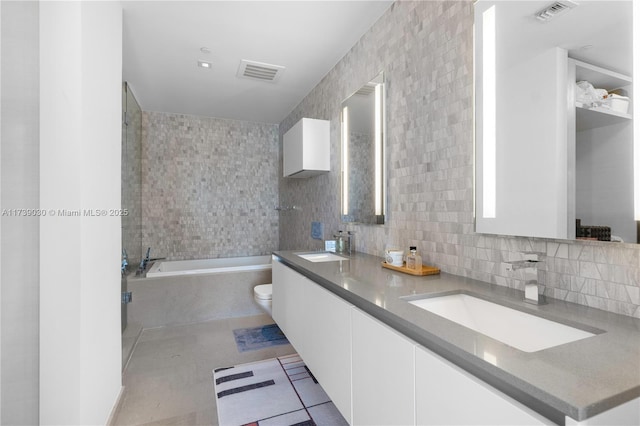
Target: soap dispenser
[(414, 260)]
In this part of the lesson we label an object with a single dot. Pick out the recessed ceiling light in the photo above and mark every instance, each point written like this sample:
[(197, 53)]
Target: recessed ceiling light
[(587, 47), (205, 50), (203, 64)]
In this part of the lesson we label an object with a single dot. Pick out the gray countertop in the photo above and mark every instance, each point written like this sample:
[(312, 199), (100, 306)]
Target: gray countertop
[(578, 379)]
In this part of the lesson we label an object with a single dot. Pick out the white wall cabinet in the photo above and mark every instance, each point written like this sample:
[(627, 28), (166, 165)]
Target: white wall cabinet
[(318, 325), (382, 373), (541, 160), (306, 149), (519, 161)]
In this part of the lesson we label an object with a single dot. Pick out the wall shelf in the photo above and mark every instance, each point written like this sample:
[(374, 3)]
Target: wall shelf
[(601, 144), (592, 117), (600, 77)]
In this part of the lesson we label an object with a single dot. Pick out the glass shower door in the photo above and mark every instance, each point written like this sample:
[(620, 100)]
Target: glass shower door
[(131, 192)]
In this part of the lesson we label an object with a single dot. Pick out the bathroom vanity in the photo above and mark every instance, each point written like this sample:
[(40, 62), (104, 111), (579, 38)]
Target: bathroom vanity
[(385, 360)]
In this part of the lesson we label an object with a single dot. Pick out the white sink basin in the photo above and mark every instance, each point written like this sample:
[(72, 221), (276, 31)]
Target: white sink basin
[(321, 257), (523, 331)]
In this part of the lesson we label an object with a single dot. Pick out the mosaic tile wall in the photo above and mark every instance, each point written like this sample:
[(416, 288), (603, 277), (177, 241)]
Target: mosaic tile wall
[(209, 187), (425, 50)]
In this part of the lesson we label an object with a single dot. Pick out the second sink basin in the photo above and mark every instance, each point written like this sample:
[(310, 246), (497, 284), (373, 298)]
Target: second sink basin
[(523, 331), (321, 257)]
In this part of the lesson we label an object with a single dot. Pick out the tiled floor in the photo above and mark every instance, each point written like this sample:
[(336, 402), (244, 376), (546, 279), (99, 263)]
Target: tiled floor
[(168, 380)]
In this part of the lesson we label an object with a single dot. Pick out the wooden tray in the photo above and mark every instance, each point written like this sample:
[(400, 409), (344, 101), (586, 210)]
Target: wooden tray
[(426, 270)]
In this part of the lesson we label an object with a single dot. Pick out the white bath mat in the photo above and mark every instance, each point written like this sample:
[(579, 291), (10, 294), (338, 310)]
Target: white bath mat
[(278, 391)]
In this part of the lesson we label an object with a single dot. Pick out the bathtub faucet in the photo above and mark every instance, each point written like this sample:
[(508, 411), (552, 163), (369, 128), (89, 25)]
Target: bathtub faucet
[(125, 262), (143, 262)]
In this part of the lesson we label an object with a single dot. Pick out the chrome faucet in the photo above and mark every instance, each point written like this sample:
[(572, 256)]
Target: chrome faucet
[(124, 267), (532, 286), (143, 263)]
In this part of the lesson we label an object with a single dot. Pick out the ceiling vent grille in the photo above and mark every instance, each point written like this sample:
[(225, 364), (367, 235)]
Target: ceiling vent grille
[(555, 9), (259, 71), (366, 90)]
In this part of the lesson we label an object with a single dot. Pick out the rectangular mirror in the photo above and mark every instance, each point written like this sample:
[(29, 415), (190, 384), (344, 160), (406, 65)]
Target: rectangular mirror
[(552, 161), (363, 179)]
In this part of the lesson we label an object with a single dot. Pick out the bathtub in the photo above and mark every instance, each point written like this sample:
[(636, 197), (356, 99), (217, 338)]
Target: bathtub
[(208, 266), (193, 291)]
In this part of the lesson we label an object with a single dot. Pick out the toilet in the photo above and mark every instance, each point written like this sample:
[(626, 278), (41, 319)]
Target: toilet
[(262, 296)]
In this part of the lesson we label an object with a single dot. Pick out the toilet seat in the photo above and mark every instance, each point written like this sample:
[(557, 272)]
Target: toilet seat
[(263, 291)]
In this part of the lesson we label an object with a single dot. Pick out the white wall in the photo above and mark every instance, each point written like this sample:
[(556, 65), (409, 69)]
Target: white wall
[(0, 221), (80, 143), (19, 182)]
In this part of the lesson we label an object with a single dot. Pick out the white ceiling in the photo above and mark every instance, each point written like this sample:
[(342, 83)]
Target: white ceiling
[(605, 27), (162, 42)]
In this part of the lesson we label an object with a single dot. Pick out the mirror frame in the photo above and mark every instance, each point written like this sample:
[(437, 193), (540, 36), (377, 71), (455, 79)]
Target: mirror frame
[(379, 147)]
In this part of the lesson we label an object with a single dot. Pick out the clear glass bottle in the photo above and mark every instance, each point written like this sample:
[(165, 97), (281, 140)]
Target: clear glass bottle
[(350, 242), (339, 242), (414, 260)]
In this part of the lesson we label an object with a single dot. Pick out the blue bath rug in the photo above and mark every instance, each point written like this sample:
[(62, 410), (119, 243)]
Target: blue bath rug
[(251, 339)]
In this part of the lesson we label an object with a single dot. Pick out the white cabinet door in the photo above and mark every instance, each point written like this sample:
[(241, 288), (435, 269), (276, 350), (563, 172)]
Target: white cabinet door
[(283, 280), (520, 143), (318, 325), (383, 373), (448, 395)]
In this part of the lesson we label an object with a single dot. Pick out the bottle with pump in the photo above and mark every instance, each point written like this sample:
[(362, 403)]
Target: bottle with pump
[(414, 260)]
